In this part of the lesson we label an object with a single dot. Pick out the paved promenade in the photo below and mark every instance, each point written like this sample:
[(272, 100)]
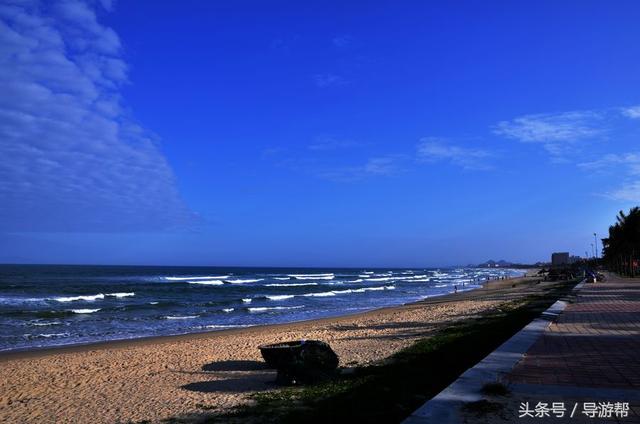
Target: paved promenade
[(583, 366)]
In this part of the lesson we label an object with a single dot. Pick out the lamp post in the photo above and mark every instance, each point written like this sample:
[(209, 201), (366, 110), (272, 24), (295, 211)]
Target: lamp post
[(595, 239)]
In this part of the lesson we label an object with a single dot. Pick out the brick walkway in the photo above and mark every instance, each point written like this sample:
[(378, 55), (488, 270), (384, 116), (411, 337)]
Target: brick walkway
[(590, 354)]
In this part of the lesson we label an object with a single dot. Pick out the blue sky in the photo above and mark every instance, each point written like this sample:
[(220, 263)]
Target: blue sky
[(314, 133)]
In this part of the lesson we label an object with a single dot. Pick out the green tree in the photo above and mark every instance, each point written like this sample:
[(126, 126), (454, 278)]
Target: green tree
[(622, 247)]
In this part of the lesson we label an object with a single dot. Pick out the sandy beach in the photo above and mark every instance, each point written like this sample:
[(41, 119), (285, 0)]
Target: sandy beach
[(153, 379)]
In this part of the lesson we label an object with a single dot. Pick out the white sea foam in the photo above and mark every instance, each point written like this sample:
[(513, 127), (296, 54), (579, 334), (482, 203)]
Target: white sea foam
[(207, 282), (280, 297), (321, 294), (273, 308), (250, 280), (181, 317), (11, 300), (282, 278), (52, 335), (153, 303), (76, 298), (91, 298), (120, 294), (381, 279), (329, 276), (364, 289), (84, 311), (463, 280), (247, 300), (441, 285), (208, 277), (290, 284), (348, 291), (375, 288), (44, 324), (401, 278), (226, 326), (228, 310)]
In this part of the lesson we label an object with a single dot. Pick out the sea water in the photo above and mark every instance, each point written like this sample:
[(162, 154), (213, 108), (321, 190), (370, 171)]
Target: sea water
[(45, 305)]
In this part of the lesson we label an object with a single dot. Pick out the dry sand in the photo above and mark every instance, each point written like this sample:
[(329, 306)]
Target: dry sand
[(157, 378)]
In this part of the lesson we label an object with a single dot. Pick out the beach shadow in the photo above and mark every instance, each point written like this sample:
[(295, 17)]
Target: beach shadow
[(255, 383), (235, 366), (409, 325)]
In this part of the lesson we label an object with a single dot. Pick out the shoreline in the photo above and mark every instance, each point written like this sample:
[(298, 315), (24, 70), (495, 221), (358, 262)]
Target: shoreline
[(20, 353), (161, 377)]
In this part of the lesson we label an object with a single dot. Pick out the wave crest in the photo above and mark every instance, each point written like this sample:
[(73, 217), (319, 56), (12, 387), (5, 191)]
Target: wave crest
[(207, 282), (328, 276), (272, 308)]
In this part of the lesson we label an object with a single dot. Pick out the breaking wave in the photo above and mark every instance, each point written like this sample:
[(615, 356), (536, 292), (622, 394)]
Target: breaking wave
[(91, 298), (250, 280), (273, 308), (329, 276), (280, 297), (207, 282), (209, 277)]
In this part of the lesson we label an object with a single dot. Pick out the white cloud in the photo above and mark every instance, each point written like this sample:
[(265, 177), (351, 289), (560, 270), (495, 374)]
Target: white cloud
[(432, 149), (558, 133), (630, 161), (630, 192), (331, 143), (625, 165), (546, 128), (72, 159), (342, 41), (631, 112), (380, 166), (373, 167), (328, 80)]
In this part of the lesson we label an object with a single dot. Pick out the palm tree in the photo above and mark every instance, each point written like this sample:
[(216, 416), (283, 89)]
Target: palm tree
[(621, 248)]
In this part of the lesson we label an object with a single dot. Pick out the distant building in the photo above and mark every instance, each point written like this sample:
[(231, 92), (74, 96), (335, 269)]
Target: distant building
[(574, 259), (493, 264), (560, 258)]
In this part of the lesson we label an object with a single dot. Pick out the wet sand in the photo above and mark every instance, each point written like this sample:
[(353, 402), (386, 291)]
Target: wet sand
[(156, 378)]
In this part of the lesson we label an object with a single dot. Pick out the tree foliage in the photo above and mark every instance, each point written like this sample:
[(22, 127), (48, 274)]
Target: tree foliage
[(622, 248)]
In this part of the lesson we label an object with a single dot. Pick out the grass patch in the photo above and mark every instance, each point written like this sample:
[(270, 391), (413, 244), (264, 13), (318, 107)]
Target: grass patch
[(392, 390)]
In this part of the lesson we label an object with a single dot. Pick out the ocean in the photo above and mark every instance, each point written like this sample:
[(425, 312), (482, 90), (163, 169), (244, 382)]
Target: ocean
[(52, 305)]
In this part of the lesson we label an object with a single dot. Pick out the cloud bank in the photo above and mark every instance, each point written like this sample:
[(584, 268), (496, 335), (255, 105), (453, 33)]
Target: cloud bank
[(72, 158)]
